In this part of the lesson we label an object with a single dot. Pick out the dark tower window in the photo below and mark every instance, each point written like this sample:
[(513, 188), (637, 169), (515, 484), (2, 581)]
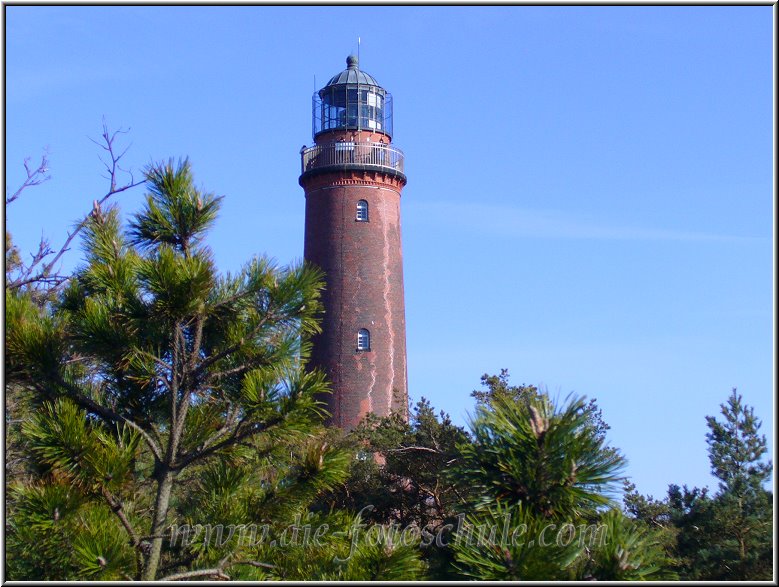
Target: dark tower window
[(363, 340), (362, 211)]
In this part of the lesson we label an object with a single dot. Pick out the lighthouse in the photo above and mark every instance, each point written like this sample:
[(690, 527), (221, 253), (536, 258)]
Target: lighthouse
[(353, 177)]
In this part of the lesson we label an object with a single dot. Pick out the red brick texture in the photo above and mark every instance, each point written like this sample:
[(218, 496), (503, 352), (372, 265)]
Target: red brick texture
[(363, 265)]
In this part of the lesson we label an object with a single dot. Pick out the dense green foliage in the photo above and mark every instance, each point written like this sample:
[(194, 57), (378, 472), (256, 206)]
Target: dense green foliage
[(728, 536), (163, 394), (544, 475), (162, 424), (405, 477)]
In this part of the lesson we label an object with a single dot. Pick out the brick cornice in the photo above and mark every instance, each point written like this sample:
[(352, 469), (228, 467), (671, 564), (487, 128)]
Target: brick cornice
[(361, 178)]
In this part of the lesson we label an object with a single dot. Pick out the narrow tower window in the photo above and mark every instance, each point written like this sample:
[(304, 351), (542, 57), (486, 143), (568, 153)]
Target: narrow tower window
[(363, 340), (362, 211)]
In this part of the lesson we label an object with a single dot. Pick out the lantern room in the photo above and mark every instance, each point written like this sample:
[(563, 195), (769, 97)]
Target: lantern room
[(352, 100)]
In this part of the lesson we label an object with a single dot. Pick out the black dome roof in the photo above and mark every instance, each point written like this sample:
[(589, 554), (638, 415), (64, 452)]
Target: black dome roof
[(352, 75)]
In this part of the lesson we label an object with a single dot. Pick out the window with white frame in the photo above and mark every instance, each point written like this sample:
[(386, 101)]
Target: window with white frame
[(363, 340), (362, 211)]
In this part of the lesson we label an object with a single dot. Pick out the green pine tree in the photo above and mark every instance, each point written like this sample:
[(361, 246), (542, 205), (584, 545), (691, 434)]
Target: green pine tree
[(162, 393), (691, 512), (743, 511), (544, 479), (403, 475), (736, 449), (727, 536), (551, 459)]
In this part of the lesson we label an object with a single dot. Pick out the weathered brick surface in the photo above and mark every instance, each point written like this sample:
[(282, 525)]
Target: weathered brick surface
[(363, 265)]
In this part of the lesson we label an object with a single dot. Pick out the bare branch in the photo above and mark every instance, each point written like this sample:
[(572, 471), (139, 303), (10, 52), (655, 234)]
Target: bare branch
[(215, 573), (421, 448), (66, 246), (218, 571), (40, 273), (254, 564), (34, 177)]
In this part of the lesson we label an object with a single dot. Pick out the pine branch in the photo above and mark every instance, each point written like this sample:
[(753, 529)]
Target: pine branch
[(180, 408), (215, 376), (255, 564), (208, 361), (218, 571), (214, 573), (234, 438), (118, 509), (229, 422), (92, 406), (420, 448)]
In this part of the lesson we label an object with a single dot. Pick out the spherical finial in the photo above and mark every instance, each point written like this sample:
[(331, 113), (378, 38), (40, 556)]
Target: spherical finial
[(351, 62)]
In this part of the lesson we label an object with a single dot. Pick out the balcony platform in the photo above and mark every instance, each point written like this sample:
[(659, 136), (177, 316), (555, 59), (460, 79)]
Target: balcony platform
[(351, 156)]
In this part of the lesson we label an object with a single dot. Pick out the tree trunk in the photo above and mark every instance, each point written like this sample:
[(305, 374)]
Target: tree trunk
[(158, 526)]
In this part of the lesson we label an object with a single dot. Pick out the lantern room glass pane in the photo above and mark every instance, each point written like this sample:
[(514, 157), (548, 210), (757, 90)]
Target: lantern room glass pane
[(347, 107)]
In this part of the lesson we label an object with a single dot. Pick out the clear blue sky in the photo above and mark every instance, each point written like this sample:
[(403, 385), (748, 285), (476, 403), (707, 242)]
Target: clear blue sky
[(590, 189)]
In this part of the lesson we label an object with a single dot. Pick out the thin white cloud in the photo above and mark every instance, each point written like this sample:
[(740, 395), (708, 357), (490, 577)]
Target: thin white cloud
[(511, 222)]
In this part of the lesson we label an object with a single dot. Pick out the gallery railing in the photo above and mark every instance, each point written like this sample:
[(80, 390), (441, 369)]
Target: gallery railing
[(378, 156)]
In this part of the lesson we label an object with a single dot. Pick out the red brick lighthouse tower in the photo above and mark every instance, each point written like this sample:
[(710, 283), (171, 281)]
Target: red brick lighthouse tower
[(353, 177)]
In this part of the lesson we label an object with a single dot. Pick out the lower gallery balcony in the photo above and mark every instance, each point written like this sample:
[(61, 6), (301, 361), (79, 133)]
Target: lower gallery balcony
[(352, 156)]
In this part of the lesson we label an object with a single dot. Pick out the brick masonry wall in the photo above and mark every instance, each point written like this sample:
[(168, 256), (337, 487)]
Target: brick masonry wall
[(363, 265)]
